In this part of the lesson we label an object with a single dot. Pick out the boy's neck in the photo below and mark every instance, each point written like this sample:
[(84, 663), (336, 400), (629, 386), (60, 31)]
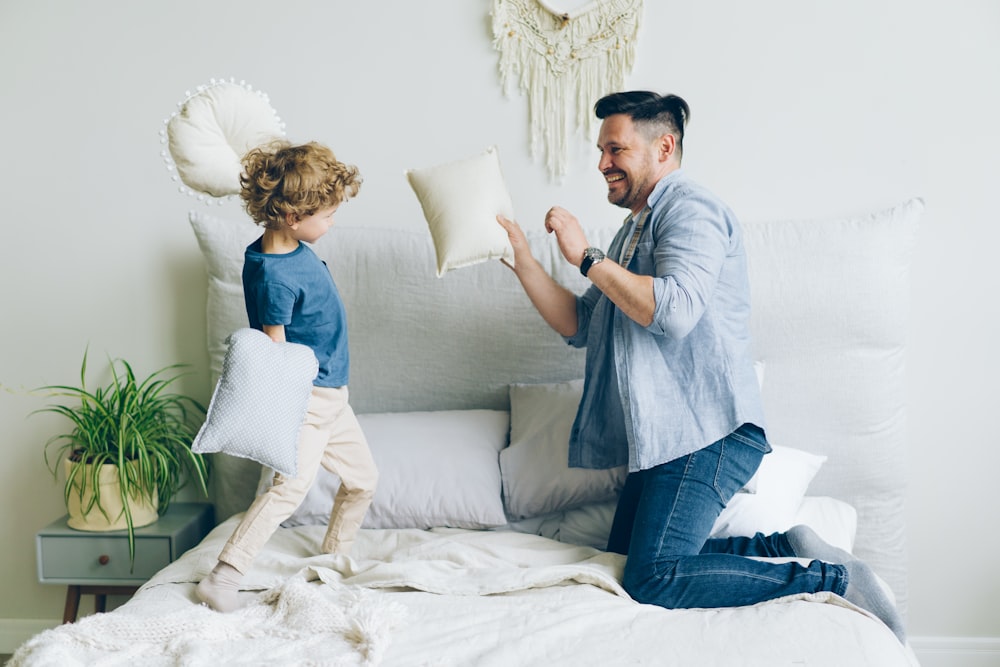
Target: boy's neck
[(276, 242)]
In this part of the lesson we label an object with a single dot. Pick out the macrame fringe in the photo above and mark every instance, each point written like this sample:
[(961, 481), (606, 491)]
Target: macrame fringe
[(564, 63)]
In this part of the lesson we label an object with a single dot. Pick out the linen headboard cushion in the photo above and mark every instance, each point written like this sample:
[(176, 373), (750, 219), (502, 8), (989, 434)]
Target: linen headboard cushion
[(830, 308)]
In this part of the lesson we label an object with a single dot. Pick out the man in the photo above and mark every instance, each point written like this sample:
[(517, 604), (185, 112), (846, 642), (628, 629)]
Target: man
[(670, 387)]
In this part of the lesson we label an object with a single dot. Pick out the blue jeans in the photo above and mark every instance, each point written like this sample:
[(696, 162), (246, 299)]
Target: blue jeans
[(665, 515)]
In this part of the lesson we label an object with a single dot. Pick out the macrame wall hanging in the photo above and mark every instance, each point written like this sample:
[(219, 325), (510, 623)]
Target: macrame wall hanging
[(565, 61)]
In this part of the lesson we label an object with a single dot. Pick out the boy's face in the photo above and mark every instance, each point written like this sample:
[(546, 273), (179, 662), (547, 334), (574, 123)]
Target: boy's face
[(312, 227)]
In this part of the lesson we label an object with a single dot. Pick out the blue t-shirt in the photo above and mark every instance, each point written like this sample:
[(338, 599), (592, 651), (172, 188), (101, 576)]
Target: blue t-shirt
[(296, 290)]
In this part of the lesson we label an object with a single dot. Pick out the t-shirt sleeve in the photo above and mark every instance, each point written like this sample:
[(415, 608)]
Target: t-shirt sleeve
[(275, 303)]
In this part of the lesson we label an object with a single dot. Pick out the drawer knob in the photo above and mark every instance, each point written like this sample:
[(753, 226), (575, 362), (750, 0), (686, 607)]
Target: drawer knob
[(104, 559)]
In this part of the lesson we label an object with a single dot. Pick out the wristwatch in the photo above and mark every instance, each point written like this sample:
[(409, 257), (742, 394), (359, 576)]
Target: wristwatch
[(591, 256)]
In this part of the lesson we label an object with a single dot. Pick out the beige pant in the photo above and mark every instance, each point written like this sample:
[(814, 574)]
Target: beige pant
[(330, 436)]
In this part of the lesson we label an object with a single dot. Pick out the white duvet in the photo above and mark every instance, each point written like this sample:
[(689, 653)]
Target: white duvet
[(450, 597)]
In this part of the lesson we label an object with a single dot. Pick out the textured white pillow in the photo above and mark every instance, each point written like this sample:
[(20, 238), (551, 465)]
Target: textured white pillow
[(461, 201), (212, 131), (435, 469), (535, 468), (260, 401)]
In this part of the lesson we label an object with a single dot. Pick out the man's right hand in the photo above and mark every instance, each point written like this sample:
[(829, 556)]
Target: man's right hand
[(518, 241)]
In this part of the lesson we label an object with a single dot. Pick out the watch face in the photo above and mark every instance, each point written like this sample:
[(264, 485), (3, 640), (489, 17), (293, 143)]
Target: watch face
[(591, 256)]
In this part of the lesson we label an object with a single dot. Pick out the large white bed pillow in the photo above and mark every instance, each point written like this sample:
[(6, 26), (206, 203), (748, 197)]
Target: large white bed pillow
[(461, 201), (436, 469), (260, 401), (831, 300)]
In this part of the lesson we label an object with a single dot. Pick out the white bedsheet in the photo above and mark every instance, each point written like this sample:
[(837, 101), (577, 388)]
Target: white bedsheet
[(450, 597)]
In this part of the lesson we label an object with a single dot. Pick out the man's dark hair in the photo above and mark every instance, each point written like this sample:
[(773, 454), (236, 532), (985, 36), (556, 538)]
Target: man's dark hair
[(654, 114)]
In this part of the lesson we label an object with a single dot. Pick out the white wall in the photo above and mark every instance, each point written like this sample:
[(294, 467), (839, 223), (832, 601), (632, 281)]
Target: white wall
[(800, 109)]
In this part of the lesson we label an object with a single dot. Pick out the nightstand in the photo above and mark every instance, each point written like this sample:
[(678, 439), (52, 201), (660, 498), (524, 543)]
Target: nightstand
[(91, 563)]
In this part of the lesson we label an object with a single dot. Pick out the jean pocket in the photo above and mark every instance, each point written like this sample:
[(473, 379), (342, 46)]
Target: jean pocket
[(752, 436)]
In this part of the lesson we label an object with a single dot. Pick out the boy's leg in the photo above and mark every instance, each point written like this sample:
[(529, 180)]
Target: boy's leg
[(347, 454), (266, 513)]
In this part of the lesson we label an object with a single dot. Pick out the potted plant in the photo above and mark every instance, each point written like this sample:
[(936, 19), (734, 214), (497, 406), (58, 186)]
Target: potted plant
[(129, 449)]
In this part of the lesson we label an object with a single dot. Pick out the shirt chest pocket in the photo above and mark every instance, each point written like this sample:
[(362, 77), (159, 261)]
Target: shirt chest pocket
[(643, 261)]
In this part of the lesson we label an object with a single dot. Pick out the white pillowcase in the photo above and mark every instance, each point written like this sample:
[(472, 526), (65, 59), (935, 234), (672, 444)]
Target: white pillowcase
[(435, 468), (535, 468), (212, 131), (835, 521), (260, 401), (461, 201), (784, 476)]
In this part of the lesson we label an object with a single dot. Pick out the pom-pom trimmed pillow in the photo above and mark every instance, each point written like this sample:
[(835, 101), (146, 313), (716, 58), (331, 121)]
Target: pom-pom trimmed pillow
[(212, 131), (436, 469), (260, 401), (461, 201)]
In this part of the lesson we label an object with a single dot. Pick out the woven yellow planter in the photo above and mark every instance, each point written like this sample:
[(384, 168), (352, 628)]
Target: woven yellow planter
[(143, 512)]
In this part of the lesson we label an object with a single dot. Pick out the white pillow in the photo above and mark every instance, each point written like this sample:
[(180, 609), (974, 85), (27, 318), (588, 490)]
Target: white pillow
[(782, 480), (461, 201), (435, 469), (833, 520), (535, 468), (260, 401), (212, 131)]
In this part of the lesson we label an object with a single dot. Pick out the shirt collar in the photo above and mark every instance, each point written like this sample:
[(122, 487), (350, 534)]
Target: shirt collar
[(661, 187)]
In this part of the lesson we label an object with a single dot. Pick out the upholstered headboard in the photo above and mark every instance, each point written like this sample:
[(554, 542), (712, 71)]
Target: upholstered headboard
[(830, 313)]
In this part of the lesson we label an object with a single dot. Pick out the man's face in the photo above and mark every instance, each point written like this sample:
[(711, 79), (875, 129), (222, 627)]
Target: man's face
[(628, 161)]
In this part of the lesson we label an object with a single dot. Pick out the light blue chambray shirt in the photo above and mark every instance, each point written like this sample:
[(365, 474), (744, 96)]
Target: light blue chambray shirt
[(686, 380)]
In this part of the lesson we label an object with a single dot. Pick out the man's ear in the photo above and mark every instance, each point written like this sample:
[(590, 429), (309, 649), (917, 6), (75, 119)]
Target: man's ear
[(668, 144)]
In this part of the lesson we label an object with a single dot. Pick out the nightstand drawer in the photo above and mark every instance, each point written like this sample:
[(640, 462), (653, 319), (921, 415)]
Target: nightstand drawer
[(92, 557), (90, 563)]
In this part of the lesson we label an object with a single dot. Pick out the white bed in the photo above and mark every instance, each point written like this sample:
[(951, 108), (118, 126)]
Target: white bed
[(480, 547)]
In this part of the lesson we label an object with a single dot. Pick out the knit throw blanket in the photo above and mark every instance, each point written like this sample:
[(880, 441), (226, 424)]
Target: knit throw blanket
[(297, 623)]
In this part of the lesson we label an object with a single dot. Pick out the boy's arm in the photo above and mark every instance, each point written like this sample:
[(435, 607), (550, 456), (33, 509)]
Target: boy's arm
[(275, 331)]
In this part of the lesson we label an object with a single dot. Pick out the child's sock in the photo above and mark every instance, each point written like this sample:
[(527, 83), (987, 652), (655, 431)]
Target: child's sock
[(865, 590), (219, 589), (807, 544)]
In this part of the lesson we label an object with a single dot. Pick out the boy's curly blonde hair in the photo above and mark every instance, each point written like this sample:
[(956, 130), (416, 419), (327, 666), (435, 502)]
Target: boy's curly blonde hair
[(280, 178)]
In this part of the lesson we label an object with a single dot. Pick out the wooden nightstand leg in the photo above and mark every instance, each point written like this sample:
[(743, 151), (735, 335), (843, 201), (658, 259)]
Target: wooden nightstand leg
[(100, 602), (72, 604)]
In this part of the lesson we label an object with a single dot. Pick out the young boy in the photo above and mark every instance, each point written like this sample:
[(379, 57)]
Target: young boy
[(293, 192)]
